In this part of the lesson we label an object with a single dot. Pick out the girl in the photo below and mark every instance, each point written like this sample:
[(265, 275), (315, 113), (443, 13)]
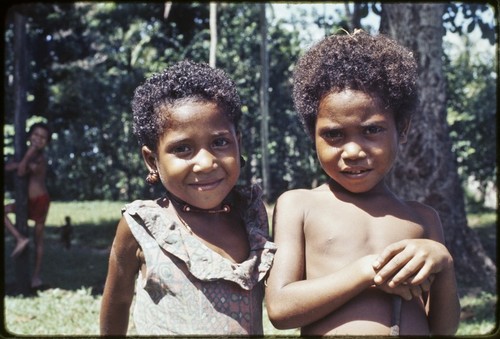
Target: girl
[(200, 252)]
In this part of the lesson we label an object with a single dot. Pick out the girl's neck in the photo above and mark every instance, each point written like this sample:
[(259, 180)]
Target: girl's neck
[(185, 207)]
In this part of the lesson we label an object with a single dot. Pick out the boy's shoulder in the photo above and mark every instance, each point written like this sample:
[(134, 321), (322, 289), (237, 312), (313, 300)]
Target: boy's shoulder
[(421, 208), (428, 218), (303, 195)]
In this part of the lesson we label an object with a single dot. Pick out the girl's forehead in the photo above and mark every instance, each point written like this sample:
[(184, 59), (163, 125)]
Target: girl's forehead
[(190, 112)]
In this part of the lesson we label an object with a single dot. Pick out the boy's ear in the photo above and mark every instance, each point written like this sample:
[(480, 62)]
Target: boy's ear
[(238, 136), (149, 158), (403, 131)]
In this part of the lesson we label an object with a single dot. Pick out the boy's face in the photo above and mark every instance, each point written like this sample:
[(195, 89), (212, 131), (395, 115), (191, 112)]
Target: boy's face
[(356, 139), (39, 138), (198, 156)]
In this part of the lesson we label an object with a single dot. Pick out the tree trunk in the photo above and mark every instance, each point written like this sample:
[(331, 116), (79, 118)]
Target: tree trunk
[(213, 34), (264, 102), (426, 170), (22, 266)]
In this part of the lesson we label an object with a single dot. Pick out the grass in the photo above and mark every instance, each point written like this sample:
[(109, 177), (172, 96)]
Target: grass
[(76, 277)]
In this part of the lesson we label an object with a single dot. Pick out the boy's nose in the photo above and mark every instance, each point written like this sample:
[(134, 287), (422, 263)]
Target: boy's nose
[(353, 150), (204, 161)]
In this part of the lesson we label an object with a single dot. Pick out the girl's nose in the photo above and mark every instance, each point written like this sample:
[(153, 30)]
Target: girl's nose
[(353, 150), (204, 161)]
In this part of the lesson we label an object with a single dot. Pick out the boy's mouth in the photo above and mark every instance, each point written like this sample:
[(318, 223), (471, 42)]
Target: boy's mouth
[(355, 171)]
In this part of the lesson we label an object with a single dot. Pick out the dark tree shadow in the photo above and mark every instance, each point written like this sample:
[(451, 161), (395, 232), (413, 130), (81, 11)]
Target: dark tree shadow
[(83, 263)]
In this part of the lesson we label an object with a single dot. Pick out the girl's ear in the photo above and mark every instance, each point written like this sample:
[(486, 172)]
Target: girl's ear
[(403, 131), (149, 158)]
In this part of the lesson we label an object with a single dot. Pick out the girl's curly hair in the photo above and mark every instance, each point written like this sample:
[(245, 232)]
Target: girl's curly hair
[(184, 81), (373, 64)]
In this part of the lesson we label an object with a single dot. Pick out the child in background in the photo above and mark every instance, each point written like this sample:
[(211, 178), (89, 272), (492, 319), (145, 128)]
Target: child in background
[(34, 165), (340, 243), (200, 252)]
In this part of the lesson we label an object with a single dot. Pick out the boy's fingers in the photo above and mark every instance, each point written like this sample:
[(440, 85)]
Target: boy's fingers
[(426, 284), (412, 271), (390, 268), (388, 253)]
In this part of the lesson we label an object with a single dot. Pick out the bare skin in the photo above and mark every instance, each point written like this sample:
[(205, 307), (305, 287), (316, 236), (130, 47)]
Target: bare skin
[(34, 165), (346, 247)]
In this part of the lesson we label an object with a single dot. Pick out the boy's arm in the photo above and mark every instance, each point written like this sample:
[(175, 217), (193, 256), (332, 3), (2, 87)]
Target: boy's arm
[(119, 288), (10, 166), (24, 165), (414, 261), (292, 301), (443, 306)]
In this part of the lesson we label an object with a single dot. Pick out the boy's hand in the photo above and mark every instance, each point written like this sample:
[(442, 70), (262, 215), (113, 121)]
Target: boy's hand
[(412, 261), (408, 291)]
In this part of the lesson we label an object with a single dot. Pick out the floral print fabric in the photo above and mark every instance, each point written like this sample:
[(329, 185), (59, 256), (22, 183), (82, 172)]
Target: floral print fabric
[(189, 288)]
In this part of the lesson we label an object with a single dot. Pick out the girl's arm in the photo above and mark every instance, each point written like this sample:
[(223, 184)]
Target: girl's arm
[(292, 301), (414, 261), (119, 288)]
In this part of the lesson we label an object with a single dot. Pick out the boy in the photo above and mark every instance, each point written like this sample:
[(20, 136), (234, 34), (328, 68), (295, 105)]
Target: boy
[(355, 95), (33, 164)]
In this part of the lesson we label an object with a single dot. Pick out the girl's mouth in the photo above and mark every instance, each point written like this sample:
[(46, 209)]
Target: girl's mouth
[(206, 185)]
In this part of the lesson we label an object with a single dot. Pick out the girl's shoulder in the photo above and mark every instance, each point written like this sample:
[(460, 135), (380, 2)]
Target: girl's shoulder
[(149, 212)]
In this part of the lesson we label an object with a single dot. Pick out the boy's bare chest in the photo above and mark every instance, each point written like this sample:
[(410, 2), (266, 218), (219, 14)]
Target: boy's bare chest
[(339, 236)]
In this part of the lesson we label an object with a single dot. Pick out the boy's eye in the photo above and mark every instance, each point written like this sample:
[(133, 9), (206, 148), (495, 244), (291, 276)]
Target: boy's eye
[(373, 129), (220, 142)]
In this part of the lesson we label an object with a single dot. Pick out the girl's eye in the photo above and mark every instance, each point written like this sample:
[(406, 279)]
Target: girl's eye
[(180, 150), (332, 134)]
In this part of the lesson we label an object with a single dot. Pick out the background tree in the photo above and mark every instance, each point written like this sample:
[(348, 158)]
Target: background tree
[(472, 107), (427, 170)]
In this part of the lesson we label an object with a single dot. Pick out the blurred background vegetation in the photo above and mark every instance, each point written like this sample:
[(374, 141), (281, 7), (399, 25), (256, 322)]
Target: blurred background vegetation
[(86, 59)]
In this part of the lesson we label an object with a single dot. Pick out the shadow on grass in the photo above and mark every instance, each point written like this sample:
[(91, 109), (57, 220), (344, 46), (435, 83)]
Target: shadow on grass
[(83, 264)]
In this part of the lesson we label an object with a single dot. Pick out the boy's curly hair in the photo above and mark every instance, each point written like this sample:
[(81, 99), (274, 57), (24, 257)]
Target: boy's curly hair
[(373, 64), (183, 82)]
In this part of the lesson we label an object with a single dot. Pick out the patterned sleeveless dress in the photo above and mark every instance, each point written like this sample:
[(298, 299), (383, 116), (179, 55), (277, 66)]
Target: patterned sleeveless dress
[(190, 289)]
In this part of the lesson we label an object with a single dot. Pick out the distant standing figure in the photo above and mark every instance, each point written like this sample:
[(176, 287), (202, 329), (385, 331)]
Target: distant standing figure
[(33, 165), (66, 232)]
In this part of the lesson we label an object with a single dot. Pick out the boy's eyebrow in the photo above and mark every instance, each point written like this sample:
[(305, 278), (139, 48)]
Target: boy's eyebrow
[(186, 138), (373, 122)]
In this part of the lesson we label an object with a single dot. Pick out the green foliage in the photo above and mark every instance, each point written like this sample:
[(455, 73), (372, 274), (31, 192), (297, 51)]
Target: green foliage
[(472, 89), (86, 59), (54, 312), (91, 57), (485, 225), (478, 314), (463, 18)]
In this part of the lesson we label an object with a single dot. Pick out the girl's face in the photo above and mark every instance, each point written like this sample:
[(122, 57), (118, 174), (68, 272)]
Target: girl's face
[(356, 139), (198, 156)]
